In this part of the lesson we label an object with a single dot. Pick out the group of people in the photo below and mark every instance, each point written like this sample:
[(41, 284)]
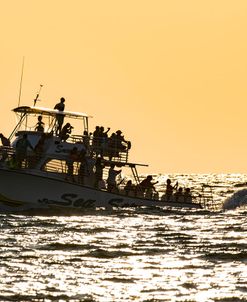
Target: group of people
[(21, 151), (99, 141), (61, 131), (88, 167), (176, 194), (101, 144), (147, 189), (109, 145), (144, 189)]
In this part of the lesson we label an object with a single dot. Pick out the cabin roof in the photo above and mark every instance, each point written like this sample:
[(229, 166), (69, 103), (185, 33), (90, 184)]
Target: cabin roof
[(48, 112)]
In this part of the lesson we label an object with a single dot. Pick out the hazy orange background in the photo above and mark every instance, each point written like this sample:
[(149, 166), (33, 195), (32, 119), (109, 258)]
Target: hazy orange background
[(170, 74)]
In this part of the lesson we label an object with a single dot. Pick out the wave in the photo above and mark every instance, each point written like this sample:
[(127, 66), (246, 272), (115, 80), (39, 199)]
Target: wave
[(225, 256), (238, 199), (49, 297)]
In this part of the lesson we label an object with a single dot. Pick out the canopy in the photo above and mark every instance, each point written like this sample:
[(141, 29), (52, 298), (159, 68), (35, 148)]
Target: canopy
[(49, 112)]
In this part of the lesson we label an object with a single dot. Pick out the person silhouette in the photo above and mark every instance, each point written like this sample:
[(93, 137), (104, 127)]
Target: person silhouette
[(99, 167), (65, 132), (169, 189), (40, 125), (72, 157), (59, 117), (6, 144), (129, 188), (111, 180), (5, 140), (21, 147), (147, 186)]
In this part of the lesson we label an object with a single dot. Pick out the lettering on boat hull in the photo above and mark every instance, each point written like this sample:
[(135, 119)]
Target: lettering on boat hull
[(119, 202), (70, 200), (74, 200)]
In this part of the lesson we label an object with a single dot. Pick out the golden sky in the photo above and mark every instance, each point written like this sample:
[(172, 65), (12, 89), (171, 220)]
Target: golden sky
[(171, 74)]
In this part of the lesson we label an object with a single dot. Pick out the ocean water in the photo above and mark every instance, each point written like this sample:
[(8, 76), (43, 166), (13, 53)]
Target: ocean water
[(132, 254)]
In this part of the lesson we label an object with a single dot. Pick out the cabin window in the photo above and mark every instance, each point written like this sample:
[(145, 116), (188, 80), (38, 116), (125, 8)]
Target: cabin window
[(59, 166), (55, 166)]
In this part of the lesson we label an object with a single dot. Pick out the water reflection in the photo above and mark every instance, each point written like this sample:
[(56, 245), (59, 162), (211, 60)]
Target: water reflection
[(126, 255)]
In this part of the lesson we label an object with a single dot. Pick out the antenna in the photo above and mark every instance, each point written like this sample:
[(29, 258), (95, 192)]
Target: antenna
[(37, 95), (22, 70)]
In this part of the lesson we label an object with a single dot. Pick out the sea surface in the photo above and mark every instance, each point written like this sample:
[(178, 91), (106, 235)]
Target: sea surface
[(132, 254)]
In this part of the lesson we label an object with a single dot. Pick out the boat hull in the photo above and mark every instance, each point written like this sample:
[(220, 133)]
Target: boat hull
[(22, 191)]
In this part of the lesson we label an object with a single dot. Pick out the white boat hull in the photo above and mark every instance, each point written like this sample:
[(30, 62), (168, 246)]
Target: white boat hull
[(24, 191)]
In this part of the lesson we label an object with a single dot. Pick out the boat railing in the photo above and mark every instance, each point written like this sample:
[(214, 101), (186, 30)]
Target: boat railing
[(113, 150), (63, 169), (6, 153), (59, 168), (207, 199), (105, 147)]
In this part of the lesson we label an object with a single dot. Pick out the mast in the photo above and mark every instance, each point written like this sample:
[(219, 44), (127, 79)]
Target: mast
[(36, 99), (20, 89)]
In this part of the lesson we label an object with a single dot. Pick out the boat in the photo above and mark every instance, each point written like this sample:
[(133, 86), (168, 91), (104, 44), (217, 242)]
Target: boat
[(48, 180)]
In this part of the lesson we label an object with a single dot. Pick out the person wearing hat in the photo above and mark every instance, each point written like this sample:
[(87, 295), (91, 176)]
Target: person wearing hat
[(119, 138), (59, 117)]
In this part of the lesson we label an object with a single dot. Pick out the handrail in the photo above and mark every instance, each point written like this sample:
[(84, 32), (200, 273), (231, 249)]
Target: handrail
[(70, 171), (105, 147)]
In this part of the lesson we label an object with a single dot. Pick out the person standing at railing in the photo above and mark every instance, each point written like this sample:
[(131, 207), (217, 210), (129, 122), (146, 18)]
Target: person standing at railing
[(5, 140), (103, 139), (116, 144), (38, 151), (22, 146), (86, 140), (187, 195), (120, 140), (59, 117), (130, 188), (83, 169), (147, 186), (96, 140), (179, 195), (169, 189), (99, 167), (6, 143), (111, 180), (72, 157), (112, 146)]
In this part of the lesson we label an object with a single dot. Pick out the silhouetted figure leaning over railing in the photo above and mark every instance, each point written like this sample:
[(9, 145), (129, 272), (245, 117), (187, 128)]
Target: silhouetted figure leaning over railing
[(65, 132)]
